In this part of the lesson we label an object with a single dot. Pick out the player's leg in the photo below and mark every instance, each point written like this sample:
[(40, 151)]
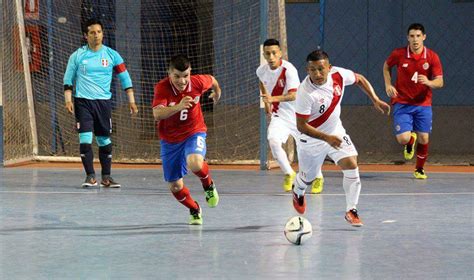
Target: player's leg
[(318, 182), (84, 125), (403, 128), (195, 152), (422, 125), (174, 169), (310, 158), (346, 158), (278, 133), (103, 129)]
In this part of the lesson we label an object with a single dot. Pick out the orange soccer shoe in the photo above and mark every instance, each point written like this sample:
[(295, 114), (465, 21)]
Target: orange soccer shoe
[(299, 203), (353, 218)]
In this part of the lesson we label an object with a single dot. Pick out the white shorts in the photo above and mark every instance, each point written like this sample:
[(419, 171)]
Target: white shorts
[(311, 155), (279, 129)]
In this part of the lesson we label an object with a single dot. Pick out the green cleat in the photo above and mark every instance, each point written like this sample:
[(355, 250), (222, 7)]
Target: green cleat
[(409, 150), (212, 197), (195, 217), (317, 186), (420, 174), (288, 182)]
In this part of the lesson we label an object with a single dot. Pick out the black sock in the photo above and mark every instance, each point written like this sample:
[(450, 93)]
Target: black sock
[(87, 157), (105, 157)]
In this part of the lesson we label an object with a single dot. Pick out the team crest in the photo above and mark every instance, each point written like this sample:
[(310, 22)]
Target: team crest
[(172, 104), (321, 100), (337, 90), (196, 99), (78, 125), (397, 127), (281, 83), (426, 65), (104, 62)]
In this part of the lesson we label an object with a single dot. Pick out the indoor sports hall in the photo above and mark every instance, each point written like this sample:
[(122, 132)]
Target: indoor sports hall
[(51, 227)]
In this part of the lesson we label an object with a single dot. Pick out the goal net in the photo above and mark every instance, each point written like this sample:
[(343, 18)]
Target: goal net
[(221, 38)]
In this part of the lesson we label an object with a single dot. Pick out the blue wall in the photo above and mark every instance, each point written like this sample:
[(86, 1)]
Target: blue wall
[(360, 35)]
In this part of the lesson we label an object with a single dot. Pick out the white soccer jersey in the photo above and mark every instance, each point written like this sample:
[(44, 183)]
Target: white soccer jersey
[(321, 104), (279, 82)]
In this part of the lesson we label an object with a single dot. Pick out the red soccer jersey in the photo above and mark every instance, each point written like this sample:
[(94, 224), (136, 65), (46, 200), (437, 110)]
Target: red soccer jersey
[(187, 122), (409, 66)]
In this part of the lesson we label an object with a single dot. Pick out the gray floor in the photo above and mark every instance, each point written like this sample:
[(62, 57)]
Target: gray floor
[(52, 229)]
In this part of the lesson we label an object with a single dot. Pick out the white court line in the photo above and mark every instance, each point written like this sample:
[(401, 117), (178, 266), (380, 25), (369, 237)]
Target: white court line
[(234, 194)]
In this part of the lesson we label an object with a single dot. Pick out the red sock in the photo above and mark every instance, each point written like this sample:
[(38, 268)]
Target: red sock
[(204, 175), (421, 155), (412, 140), (184, 197)]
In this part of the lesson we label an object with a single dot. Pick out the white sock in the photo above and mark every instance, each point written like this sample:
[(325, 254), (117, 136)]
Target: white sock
[(320, 174), (300, 185), (280, 156), (352, 185)]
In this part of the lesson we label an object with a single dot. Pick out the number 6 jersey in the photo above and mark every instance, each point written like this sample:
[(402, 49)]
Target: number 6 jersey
[(187, 122)]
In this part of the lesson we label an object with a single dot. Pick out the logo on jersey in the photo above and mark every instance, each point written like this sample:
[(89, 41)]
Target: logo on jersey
[(321, 100), (397, 127), (104, 62), (78, 125), (196, 99), (426, 65), (405, 65), (171, 104), (281, 82), (337, 90)]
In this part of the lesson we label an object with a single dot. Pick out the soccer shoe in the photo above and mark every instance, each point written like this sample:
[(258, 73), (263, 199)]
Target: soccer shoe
[(212, 197), (409, 150), (109, 182), (195, 217), (89, 182), (353, 218), (317, 185), (299, 203), (420, 174), (288, 181)]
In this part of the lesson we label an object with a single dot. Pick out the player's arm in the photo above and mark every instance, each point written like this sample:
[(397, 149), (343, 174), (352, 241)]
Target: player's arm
[(126, 82), (436, 83), (68, 82), (305, 128), (365, 85), (216, 90), (161, 112), (387, 76), (264, 94)]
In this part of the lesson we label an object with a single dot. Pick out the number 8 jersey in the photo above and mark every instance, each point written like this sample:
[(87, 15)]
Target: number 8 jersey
[(187, 122), (409, 66), (321, 104)]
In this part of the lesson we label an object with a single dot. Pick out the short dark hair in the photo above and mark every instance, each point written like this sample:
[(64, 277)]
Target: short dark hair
[(180, 62), (89, 22), (271, 42), (416, 26), (317, 55)]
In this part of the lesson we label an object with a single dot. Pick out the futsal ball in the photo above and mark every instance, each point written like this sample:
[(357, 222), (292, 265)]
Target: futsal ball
[(298, 230)]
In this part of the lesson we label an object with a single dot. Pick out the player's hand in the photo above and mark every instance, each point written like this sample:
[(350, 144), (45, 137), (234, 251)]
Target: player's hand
[(422, 79), (69, 107), (186, 102), (382, 107), (133, 108), (334, 141), (391, 91), (267, 98), (215, 97)]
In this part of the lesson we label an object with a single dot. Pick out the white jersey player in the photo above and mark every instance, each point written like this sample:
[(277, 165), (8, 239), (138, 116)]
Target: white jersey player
[(318, 109), (278, 84)]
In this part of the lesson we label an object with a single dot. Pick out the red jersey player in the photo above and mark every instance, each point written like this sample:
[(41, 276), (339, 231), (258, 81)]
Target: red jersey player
[(419, 71), (182, 130)]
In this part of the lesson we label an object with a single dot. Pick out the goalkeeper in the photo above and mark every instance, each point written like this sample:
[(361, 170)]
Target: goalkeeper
[(90, 69)]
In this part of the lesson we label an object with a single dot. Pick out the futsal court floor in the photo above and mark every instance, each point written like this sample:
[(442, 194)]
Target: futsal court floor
[(50, 228)]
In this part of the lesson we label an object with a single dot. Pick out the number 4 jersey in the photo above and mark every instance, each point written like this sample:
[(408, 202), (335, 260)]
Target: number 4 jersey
[(321, 104), (409, 67), (187, 122)]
